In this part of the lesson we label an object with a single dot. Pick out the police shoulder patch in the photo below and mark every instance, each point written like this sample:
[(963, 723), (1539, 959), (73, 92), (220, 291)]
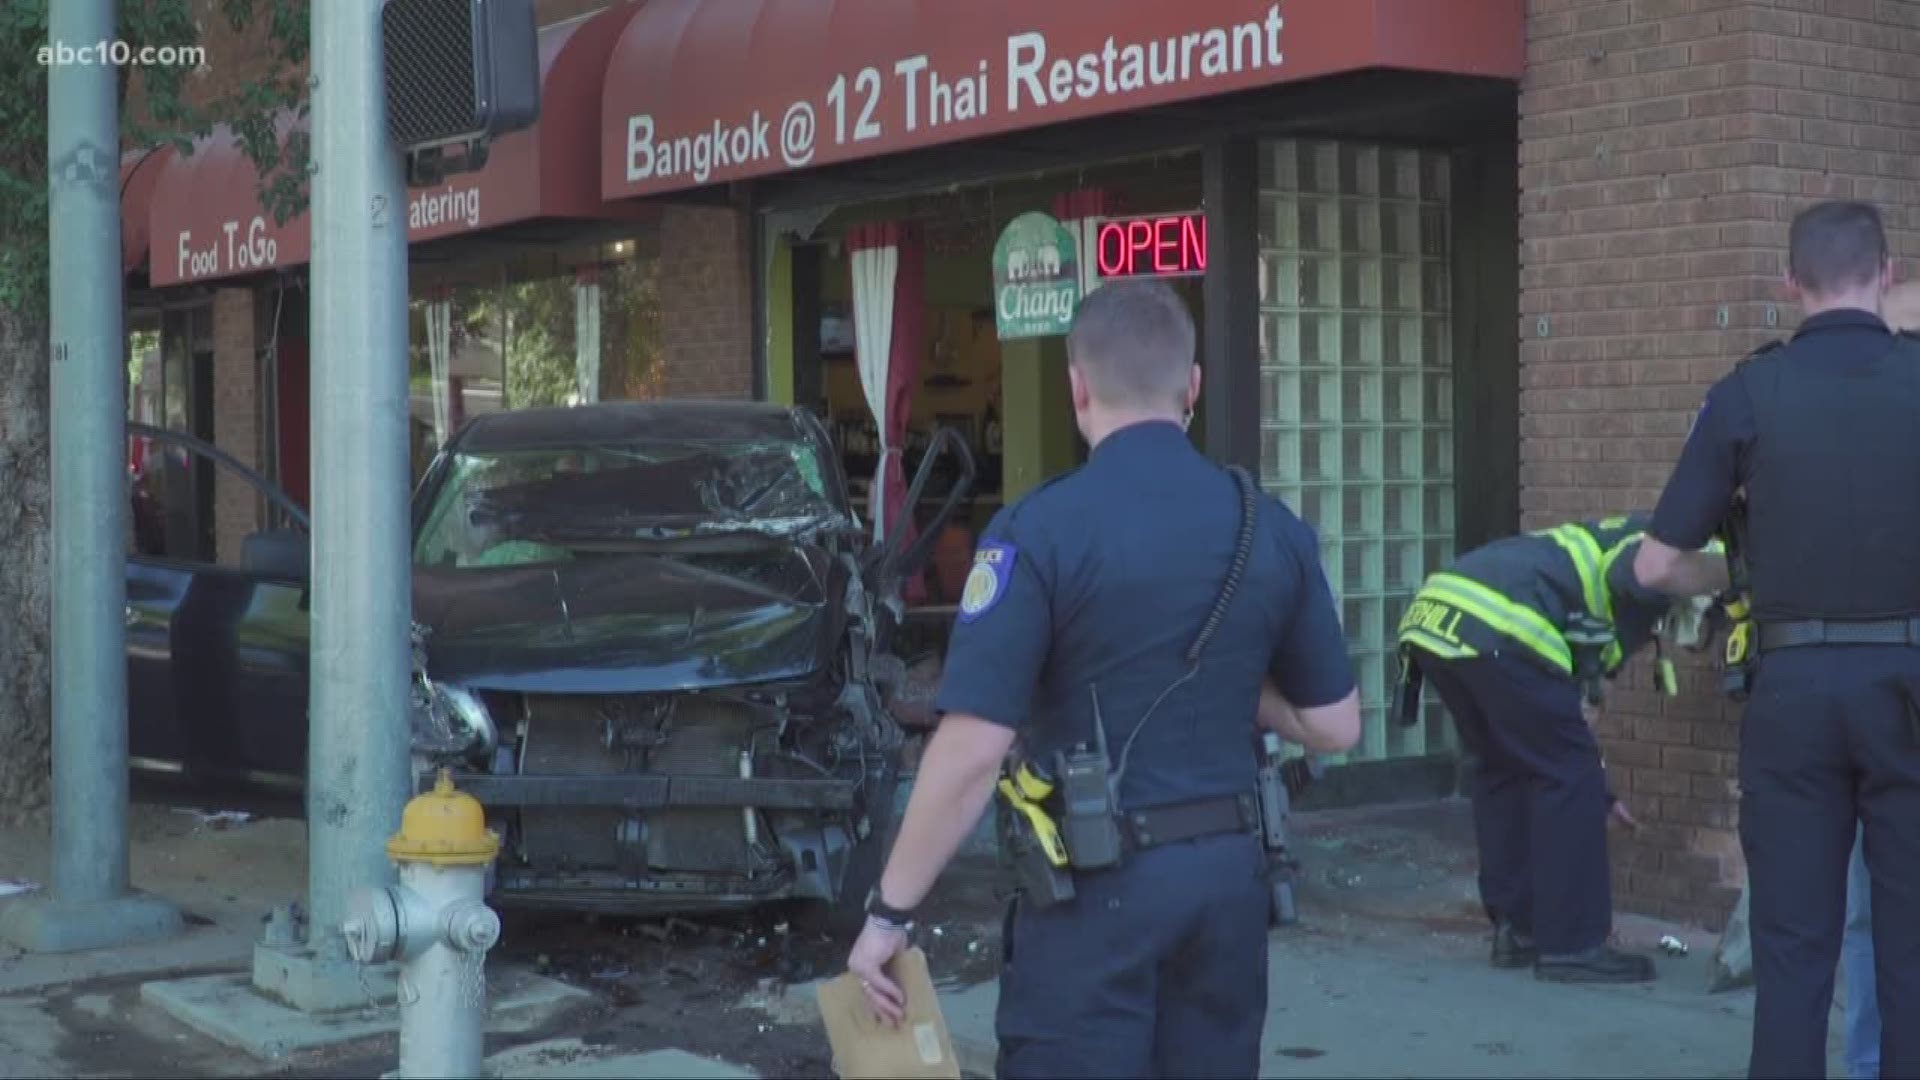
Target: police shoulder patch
[(987, 581)]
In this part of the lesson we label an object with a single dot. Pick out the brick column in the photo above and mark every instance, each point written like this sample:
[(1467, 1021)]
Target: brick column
[(706, 302), (238, 399), (1665, 146)]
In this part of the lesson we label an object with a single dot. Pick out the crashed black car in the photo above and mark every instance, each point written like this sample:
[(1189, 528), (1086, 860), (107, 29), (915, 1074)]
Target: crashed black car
[(652, 638)]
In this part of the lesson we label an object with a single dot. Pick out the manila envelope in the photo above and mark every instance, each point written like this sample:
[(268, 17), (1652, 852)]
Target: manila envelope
[(864, 1046)]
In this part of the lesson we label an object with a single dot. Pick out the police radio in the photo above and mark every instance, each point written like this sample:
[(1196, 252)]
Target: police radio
[(1090, 805)]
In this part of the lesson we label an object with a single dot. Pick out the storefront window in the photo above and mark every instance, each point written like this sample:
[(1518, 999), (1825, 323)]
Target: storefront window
[(170, 385), (146, 523), (1357, 386), (143, 369), (632, 366), (457, 370), (539, 322), (588, 332)]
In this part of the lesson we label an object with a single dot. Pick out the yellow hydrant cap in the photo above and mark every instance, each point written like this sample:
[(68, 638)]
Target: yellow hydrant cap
[(445, 827)]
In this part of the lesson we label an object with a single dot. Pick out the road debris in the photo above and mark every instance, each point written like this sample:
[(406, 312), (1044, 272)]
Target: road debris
[(1733, 959), (17, 886), (1673, 946), (217, 819)]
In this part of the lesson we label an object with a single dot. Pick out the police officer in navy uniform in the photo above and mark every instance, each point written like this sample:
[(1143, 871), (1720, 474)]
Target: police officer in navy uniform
[(1823, 434), (1091, 589), (1517, 637)]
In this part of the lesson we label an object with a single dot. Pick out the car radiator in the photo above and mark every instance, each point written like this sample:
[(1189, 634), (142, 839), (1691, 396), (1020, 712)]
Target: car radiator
[(703, 736)]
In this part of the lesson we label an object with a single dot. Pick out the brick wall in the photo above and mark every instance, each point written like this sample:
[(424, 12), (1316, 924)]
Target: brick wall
[(1665, 145), (237, 419), (706, 303)]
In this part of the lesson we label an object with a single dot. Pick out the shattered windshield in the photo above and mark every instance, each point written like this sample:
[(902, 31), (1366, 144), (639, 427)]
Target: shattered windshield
[(523, 507)]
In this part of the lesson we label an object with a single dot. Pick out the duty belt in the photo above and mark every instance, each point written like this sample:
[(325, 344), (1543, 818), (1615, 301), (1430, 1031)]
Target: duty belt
[(1794, 633), (1190, 821)]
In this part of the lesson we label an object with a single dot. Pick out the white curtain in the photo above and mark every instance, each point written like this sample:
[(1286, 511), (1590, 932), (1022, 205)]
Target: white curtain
[(586, 330), (439, 356), (874, 271), (1086, 231)]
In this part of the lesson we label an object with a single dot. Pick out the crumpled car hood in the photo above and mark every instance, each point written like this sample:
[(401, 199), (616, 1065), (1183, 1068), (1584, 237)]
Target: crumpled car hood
[(615, 625)]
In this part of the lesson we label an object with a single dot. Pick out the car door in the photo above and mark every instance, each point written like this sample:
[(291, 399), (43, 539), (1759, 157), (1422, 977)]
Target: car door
[(217, 640), (891, 562), (154, 590)]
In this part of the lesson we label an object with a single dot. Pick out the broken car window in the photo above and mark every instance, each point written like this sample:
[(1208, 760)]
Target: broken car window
[(529, 507)]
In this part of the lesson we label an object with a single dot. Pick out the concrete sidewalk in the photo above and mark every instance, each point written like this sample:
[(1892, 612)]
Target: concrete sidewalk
[(1387, 976), (1341, 1007)]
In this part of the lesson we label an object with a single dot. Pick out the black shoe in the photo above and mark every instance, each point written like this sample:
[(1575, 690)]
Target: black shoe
[(1513, 949), (1601, 965)]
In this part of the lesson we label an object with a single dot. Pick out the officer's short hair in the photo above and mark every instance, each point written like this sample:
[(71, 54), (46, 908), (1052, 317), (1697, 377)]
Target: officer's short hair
[(1133, 341), (1835, 246)]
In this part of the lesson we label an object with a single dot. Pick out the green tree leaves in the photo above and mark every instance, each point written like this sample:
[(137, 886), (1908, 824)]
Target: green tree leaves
[(174, 113)]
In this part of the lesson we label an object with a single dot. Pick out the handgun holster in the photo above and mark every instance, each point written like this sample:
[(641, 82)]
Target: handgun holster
[(1039, 883)]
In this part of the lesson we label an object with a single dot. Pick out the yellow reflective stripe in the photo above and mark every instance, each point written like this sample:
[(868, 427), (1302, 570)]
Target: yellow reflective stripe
[(1584, 550), (1606, 567), (1433, 643), (1431, 623), (1517, 621), (1613, 657)]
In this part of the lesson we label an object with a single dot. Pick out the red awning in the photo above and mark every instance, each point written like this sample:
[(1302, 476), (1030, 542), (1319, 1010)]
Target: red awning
[(207, 221), (709, 91), (139, 171)]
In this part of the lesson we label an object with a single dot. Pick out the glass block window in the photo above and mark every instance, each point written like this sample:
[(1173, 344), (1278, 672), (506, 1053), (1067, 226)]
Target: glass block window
[(1356, 354)]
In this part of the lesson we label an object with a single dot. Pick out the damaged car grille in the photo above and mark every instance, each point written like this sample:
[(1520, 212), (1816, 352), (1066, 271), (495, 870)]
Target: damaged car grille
[(690, 736), (566, 736), (708, 737), (660, 786)]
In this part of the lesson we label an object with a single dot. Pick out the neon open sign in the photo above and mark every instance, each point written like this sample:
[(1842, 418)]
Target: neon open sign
[(1161, 245)]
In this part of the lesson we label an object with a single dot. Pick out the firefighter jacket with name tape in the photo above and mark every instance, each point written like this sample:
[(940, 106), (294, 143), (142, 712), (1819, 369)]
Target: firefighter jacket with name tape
[(1524, 591)]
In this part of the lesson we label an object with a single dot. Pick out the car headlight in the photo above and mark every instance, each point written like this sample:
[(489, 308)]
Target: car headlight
[(450, 720)]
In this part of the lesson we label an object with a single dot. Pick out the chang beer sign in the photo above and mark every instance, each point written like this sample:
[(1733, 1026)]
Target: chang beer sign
[(1036, 278)]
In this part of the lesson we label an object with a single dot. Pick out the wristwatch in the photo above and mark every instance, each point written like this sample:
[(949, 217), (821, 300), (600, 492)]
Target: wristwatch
[(892, 918)]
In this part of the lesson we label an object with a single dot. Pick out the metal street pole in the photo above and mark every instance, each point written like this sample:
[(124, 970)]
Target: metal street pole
[(90, 906), (358, 741)]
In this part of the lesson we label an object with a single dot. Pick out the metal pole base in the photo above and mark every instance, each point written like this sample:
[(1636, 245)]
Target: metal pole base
[(47, 925)]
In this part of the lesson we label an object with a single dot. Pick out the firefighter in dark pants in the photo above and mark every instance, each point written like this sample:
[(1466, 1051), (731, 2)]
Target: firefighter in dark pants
[(1516, 637), (1820, 435), (1083, 616)]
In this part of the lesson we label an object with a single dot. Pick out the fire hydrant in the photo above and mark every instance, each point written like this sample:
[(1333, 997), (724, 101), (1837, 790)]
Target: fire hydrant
[(437, 924)]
